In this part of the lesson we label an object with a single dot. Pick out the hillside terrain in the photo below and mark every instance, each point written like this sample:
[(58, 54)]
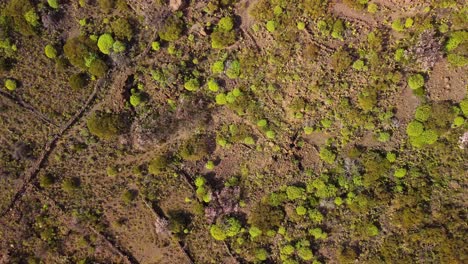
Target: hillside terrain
[(233, 131)]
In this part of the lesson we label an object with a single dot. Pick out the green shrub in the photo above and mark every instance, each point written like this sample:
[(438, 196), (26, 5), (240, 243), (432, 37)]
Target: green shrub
[(10, 84), (221, 99), (458, 121), (397, 25), (46, 180), (341, 60), (226, 24), (254, 232), (50, 52), (338, 28), (217, 233), (192, 85), (105, 43), (70, 185), (318, 233), (315, 216), (400, 173), (414, 128), (136, 99), (112, 171), (457, 60), (32, 17), (106, 125), (158, 164), (261, 254), (233, 70), (78, 50), (271, 26), (372, 8), (287, 250), (305, 253), (122, 29), (98, 68), (301, 25), (217, 67), (464, 107), (423, 113), (194, 149), (456, 38), (213, 85), (129, 196), (358, 65), (383, 137), (294, 192), (301, 210), (222, 39), (416, 81), (270, 134), (106, 5), (172, 29), (391, 157), (327, 155), (119, 46), (16, 10), (78, 81), (155, 45), (53, 3)]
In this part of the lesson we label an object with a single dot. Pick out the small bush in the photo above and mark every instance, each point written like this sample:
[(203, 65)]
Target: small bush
[(70, 185), (122, 29), (46, 180), (423, 113), (172, 29), (105, 125), (78, 81), (400, 173), (226, 24), (271, 26), (192, 85), (456, 38), (50, 52), (338, 28), (261, 254), (464, 107), (213, 85), (217, 67), (217, 233), (327, 155), (397, 25), (53, 3), (416, 81), (10, 84), (305, 253), (294, 192), (129, 196), (105, 43), (233, 70), (414, 128), (158, 164), (222, 39), (98, 68)]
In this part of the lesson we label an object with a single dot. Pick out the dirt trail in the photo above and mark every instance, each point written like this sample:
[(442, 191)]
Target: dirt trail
[(18, 101)]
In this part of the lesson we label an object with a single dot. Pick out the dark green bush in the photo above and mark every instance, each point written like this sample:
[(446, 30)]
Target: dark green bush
[(106, 125), (122, 29), (172, 29), (78, 49), (98, 68), (21, 11), (78, 81)]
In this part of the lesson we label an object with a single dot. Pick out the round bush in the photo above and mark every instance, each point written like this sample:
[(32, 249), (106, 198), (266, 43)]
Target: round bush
[(226, 24), (192, 85), (78, 81), (50, 52), (416, 81), (414, 128), (105, 43), (11, 84), (98, 68)]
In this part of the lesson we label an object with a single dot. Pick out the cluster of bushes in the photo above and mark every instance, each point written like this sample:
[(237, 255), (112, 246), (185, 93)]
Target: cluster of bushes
[(223, 35), (82, 53)]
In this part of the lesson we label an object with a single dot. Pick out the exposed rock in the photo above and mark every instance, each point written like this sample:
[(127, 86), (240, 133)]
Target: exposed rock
[(176, 4)]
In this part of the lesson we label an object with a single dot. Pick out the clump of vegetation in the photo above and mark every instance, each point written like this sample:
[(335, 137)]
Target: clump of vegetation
[(416, 81), (105, 43), (192, 85), (172, 30), (78, 81), (10, 84), (106, 125), (50, 52)]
